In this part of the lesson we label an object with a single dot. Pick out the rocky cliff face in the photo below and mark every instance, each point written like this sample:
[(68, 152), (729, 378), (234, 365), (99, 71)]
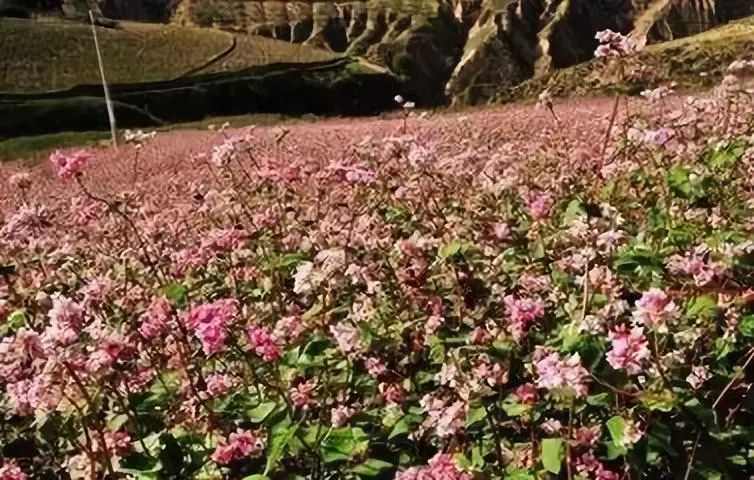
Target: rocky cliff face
[(464, 48)]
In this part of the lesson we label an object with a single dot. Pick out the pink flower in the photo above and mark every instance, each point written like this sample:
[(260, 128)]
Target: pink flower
[(69, 165), (629, 351), (613, 44), (375, 366), (587, 436), (347, 337), (501, 231), (210, 323), (654, 309), (699, 374), (242, 443), (66, 313), (11, 471), (263, 342), (223, 240), (521, 313), (118, 443), (562, 375), (526, 394), (301, 394), (494, 373), (154, 322), (218, 384), (694, 265), (589, 467), (440, 467), (393, 393), (659, 137), (289, 328), (539, 205), (341, 415)]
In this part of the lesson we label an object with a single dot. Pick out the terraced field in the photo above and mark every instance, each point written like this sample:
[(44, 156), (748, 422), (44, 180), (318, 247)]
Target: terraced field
[(53, 55)]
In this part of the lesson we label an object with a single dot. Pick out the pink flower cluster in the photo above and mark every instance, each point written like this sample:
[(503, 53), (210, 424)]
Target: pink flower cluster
[(154, 322), (630, 350), (654, 309), (440, 467), (562, 375), (589, 467), (695, 266), (263, 342), (241, 444), (521, 313), (69, 165), (11, 471), (613, 44), (210, 323), (301, 394), (540, 205)]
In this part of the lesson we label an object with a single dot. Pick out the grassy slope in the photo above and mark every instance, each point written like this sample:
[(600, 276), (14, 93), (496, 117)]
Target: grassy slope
[(55, 55), (693, 62)]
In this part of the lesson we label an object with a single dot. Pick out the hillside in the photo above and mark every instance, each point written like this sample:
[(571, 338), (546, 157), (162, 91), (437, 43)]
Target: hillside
[(55, 55), (693, 62)]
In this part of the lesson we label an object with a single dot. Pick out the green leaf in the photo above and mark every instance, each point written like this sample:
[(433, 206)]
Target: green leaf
[(312, 312), (372, 467), (449, 250), (598, 400), (259, 413), (342, 444), (476, 414), (574, 210), (280, 436), (177, 294), (552, 454), (404, 425), (746, 325), (256, 477), (617, 427), (704, 307), (663, 401), (15, 320), (679, 182)]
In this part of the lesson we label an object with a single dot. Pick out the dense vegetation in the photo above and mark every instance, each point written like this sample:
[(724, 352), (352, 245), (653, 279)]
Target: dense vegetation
[(438, 299)]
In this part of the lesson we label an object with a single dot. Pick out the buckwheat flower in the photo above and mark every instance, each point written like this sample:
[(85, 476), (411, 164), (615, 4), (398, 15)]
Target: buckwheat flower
[(609, 241), (659, 93), (699, 374), (263, 343), (526, 394), (501, 231), (448, 375), (240, 444), (630, 349), (393, 393), (587, 436), (659, 137), (347, 337), (399, 100), (210, 322), (341, 415), (588, 466), (219, 384), (539, 205), (118, 443), (154, 322), (301, 394), (521, 313), (69, 165), (441, 467), (551, 426), (613, 44), (289, 328), (654, 310), (561, 375), (494, 374), (20, 180), (375, 366), (305, 280), (223, 154), (11, 471)]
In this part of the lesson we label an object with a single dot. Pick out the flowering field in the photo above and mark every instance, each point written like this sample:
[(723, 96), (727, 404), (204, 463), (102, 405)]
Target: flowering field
[(518, 293)]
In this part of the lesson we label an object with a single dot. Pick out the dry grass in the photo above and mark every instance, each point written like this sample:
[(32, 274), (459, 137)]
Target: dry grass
[(49, 55)]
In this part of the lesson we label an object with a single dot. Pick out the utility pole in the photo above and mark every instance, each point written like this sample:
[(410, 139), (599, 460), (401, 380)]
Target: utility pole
[(108, 102)]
